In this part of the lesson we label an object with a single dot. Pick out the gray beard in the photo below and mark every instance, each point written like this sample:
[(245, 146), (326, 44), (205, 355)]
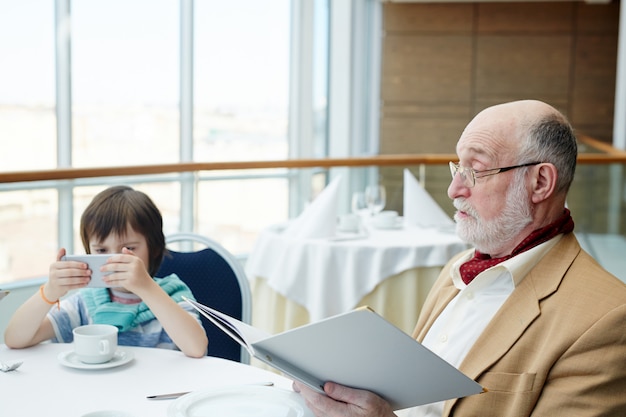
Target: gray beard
[(489, 236)]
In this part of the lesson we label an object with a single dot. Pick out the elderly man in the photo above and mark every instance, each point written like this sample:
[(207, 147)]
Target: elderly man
[(527, 313)]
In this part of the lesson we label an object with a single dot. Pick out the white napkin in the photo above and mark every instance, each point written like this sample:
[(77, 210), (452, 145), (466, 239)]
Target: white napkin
[(420, 208), (319, 219)]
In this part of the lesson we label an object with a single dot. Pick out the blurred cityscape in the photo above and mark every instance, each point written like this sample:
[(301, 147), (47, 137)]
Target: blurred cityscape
[(232, 212)]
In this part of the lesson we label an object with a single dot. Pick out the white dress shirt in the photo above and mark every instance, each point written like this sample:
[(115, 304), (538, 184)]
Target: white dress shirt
[(463, 320)]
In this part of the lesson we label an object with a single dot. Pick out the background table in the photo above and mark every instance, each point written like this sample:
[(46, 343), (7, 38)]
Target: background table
[(42, 386), (296, 281)]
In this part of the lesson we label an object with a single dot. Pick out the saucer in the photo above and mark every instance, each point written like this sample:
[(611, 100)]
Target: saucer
[(397, 225), (107, 413), (348, 230), (70, 359)]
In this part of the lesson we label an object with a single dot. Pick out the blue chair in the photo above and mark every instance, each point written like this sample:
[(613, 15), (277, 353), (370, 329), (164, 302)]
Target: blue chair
[(216, 279)]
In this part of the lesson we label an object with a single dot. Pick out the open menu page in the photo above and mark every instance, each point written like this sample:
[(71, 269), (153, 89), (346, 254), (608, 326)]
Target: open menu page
[(359, 349)]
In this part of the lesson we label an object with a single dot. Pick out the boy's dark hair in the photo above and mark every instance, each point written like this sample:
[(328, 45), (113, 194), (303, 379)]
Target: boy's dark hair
[(115, 208)]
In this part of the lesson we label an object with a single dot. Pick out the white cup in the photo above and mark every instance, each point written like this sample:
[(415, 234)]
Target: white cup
[(386, 219), (95, 343), (348, 223)]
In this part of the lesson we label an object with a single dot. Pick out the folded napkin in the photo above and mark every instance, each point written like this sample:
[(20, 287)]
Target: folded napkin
[(420, 208), (319, 219)]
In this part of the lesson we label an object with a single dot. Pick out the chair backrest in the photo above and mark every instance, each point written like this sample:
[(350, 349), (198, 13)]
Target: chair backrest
[(216, 278)]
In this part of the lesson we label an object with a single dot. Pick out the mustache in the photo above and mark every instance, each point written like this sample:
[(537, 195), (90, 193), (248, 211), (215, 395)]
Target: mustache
[(462, 205)]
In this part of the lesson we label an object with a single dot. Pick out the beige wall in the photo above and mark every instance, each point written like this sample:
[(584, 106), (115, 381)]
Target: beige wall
[(443, 63)]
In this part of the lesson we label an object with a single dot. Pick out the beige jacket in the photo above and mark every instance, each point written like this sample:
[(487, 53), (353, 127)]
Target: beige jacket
[(557, 347)]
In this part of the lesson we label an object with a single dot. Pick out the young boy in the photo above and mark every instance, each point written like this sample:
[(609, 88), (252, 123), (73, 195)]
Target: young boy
[(147, 311)]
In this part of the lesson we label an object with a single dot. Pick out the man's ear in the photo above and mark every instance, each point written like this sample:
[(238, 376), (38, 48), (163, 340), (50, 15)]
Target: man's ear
[(543, 183)]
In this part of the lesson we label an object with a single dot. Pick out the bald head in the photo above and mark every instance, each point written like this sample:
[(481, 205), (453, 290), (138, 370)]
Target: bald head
[(529, 108), (527, 130)]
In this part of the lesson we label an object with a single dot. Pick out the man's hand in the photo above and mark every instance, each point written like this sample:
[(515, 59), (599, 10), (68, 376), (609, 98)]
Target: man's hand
[(341, 401)]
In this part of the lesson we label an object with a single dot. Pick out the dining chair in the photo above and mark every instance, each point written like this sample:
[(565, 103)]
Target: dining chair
[(217, 279)]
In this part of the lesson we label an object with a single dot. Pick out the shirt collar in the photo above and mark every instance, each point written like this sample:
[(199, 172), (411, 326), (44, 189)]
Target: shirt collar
[(517, 267)]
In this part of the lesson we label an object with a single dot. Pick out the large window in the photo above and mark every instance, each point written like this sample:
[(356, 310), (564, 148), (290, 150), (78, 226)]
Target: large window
[(104, 83), (27, 102), (125, 82), (240, 112), (241, 80), (127, 87), (28, 230)]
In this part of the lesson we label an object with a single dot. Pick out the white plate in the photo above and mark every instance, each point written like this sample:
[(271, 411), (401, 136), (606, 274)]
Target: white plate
[(70, 359), (240, 401)]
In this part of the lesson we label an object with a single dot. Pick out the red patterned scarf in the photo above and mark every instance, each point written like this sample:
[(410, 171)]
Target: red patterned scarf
[(481, 261)]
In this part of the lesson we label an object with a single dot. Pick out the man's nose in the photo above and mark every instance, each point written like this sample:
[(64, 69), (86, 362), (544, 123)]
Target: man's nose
[(457, 188)]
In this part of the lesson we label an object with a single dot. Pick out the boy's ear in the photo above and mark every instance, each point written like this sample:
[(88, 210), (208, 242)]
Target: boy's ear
[(544, 182)]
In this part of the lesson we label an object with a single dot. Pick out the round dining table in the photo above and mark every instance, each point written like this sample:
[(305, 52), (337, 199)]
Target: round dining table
[(296, 281), (51, 383)]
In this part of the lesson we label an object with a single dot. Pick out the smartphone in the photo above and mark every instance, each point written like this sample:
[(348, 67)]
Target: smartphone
[(94, 262)]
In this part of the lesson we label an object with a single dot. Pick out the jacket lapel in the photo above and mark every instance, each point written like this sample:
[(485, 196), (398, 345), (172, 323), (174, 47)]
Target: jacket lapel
[(520, 310), (440, 295)]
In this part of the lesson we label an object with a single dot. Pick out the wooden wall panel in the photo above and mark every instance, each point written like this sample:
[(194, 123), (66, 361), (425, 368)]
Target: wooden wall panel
[(593, 85), (598, 18), (422, 127), (522, 67), (414, 69), (421, 135), (443, 63), (436, 109), (444, 18), (595, 62), (530, 18)]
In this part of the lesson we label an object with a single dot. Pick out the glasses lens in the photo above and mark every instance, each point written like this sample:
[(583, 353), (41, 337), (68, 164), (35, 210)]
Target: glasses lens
[(453, 169), (466, 174), (468, 177)]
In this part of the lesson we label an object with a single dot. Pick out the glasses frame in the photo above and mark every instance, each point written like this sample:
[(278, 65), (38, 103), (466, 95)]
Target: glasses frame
[(470, 180)]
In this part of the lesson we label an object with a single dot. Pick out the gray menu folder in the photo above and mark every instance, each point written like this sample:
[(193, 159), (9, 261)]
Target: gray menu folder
[(359, 349)]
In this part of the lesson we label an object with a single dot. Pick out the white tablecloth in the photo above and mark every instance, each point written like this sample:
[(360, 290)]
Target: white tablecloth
[(329, 277), (398, 299), (42, 386)]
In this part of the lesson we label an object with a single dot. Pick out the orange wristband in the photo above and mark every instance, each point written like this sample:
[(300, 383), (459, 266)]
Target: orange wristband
[(43, 297)]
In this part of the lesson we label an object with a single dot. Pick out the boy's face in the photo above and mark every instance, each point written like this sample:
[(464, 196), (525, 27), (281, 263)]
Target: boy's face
[(136, 242)]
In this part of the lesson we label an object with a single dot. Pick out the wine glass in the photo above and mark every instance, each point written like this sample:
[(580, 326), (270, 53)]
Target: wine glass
[(359, 205), (375, 198)]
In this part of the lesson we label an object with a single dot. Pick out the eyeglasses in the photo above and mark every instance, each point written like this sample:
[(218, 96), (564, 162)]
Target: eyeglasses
[(469, 175)]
